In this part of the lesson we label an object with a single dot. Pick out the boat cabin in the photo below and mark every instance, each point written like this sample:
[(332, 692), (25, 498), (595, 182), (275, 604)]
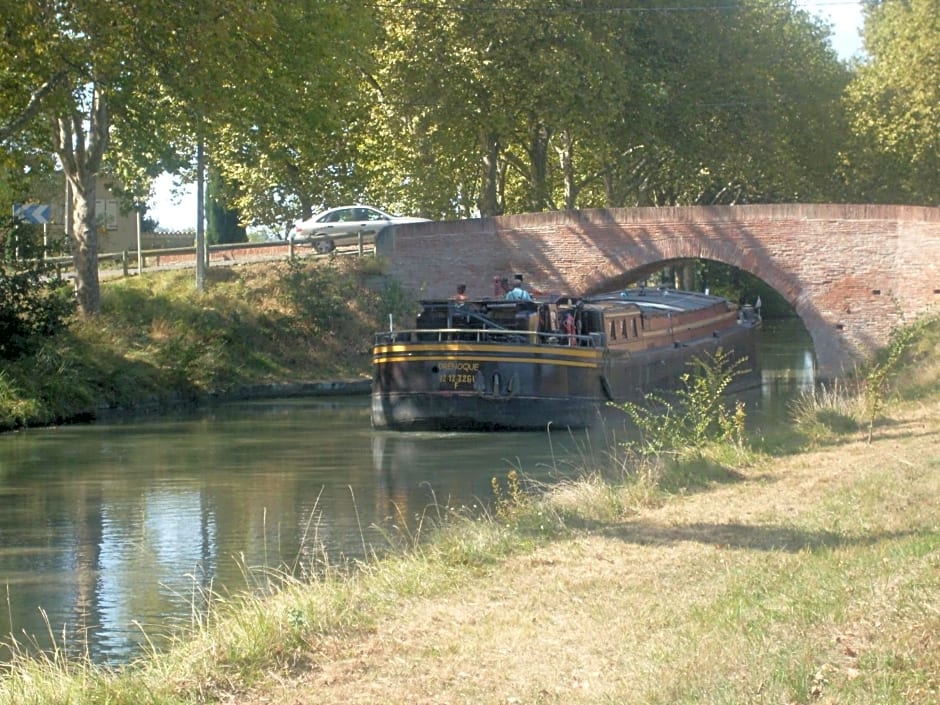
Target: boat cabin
[(633, 319)]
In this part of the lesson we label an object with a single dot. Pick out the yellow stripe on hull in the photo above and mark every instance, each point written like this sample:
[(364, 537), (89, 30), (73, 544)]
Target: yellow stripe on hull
[(399, 348), (486, 358)]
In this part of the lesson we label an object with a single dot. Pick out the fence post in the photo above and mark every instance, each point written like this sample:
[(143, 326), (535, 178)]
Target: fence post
[(290, 249), (124, 262)]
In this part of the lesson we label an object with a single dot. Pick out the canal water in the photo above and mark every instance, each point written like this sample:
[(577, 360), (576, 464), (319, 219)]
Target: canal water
[(115, 533)]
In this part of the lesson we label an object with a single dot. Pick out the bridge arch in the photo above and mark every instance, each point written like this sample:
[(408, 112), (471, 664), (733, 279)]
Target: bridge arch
[(851, 272)]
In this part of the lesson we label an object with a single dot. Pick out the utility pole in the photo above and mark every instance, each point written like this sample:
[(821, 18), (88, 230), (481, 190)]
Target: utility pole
[(200, 223)]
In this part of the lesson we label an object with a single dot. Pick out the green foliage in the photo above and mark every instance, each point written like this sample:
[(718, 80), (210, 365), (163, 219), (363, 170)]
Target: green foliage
[(158, 343), (397, 301), (34, 301), (319, 296), (607, 106), (509, 501), (889, 362), (222, 222), (298, 148), (698, 414), (893, 102)]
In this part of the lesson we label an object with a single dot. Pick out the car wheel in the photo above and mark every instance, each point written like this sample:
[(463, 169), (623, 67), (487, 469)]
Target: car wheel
[(325, 246)]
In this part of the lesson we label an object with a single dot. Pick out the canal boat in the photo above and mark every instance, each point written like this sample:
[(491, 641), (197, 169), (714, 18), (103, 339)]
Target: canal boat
[(492, 364)]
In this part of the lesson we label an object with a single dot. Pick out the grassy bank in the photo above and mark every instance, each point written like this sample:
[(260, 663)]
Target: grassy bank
[(812, 577), (800, 568), (158, 342)]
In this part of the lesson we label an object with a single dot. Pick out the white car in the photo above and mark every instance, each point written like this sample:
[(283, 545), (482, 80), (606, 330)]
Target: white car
[(341, 226)]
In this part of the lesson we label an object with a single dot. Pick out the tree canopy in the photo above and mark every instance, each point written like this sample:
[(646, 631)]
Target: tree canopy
[(532, 105), (444, 108), (130, 87), (895, 102)]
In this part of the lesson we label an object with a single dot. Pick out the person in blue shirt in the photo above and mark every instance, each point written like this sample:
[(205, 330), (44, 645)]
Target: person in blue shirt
[(517, 293)]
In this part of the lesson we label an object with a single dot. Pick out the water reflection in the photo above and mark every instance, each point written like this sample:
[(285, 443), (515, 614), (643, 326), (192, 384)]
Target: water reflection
[(119, 530), (115, 523)]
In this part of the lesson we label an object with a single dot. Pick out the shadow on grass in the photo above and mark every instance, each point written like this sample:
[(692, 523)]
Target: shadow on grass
[(841, 431), (696, 475), (754, 537)]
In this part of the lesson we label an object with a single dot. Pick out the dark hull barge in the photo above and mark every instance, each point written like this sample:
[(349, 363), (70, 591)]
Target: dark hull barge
[(492, 364)]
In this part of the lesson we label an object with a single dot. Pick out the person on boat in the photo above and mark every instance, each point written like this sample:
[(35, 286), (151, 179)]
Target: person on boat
[(569, 327), (461, 292), (518, 293)]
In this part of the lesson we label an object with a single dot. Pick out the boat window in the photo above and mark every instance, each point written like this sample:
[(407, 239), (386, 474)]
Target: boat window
[(613, 330), (634, 328), (623, 328)]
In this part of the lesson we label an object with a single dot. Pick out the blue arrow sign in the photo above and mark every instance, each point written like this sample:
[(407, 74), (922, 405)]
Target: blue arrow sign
[(32, 213)]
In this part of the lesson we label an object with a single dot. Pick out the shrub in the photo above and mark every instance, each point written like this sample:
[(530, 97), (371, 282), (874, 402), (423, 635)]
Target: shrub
[(698, 413), (34, 299)]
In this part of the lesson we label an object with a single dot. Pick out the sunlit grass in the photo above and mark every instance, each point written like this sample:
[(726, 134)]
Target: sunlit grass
[(708, 575), (159, 342)]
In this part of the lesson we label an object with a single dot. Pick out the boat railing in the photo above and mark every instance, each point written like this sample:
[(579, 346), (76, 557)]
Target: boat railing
[(488, 335)]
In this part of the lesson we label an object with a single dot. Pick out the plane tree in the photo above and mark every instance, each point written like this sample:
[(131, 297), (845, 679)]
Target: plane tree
[(294, 148), (536, 105), (733, 104), (894, 101), (438, 111), (130, 87)]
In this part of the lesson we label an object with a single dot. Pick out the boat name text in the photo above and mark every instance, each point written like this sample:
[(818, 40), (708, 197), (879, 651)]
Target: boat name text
[(458, 375)]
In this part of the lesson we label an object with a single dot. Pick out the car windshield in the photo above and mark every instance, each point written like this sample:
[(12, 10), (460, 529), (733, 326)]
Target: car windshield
[(368, 214)]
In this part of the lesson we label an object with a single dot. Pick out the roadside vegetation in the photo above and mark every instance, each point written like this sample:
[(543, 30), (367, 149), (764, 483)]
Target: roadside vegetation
[(796, 566), (158, 342)]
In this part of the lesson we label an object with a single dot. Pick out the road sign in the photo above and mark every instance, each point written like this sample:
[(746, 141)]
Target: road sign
[(32, 212)]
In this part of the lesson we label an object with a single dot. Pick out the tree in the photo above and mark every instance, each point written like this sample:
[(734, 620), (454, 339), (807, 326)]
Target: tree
[(150, 78), (537, 105), (294, 149), (894, 100)]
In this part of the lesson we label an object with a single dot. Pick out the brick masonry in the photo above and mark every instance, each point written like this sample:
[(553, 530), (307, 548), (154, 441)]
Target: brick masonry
[(852, 272)]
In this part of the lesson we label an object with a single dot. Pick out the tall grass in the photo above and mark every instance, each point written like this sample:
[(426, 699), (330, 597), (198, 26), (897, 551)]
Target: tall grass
[(158, 341), (830, 596), (907, 368)]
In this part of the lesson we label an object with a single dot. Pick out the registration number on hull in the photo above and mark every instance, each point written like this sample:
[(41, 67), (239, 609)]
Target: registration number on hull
[(457, 375)]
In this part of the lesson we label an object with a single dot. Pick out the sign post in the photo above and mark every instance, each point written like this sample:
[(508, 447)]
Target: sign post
[(38, 213)]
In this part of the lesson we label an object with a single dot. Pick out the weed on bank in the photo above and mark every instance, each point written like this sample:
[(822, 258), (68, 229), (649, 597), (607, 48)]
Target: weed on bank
[(711, 574)]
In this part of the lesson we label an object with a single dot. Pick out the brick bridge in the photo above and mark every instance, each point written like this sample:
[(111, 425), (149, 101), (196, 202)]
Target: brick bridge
[(851, 272)]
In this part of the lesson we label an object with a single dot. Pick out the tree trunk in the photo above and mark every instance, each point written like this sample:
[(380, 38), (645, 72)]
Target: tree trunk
[(202, 259), (85, 252), (80, 141), (538, 166), (566, 157), (489, 189)]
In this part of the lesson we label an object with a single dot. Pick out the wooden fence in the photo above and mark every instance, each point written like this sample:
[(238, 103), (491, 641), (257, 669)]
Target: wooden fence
[(235, 253)]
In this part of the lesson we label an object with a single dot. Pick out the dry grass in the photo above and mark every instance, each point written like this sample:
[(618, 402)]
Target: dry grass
[(811, 579), (805, 578)]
